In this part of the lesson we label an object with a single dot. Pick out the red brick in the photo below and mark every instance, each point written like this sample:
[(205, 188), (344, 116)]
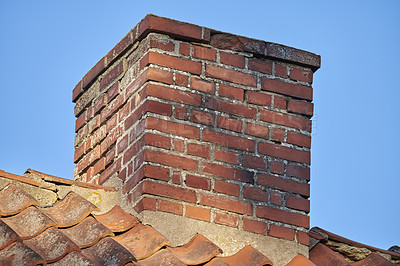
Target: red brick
[(301, 107), (184, 48), (300, 204), (113, 91), (256, 130), (259, 98), (157, 140), (226, 219), (231, 92), (202, 85), (198, 182), (284, 153), (285, 88), (228, 172), (278, 134), (280, 102), (133, 150), (198, 150), (226, 156), (230, 108), (286, 120), (254, 162), (162, 43), (93, 73), (255, 226), (171, 160), (231, 75), (299, 139), (204, 53), (281, 232), (110, 156), (198, 213), (301, 75), (177, 177), (124, 111), (114, 168), (88, 159), (100, 103), (112, 74), (226, 188), (171, 62), (303, 238), (298, 171), (275, 198), (160, 75), (122, 144), (112, 122), (169, 191), (173, 94), (229, 123), (283, 184), (202, 117), (77, 91), (122, 174), (232, 59), (99, 166), (173, 128), (260, 65), (169, 206), (80, 121), (227, 204), (276, 167), (255, 194), (281, 70), (145, 204), (180, 112), (111, 139), (79, 152), (159, 108), (283, 216), (120, 47), (179, 145), (181, 80), (228, 140), (111, 108)]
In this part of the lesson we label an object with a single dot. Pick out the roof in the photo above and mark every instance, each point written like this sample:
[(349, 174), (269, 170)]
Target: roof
[(73, 231)]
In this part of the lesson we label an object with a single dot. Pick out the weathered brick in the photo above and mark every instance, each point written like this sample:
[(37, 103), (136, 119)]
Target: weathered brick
[(181, 80), (180, 112), (298, 171), (227, 204), (231, 92), (184, 48), (160, 75), (120, 47), (204, 53), (173, 94), (255, 194), (161, 42), (281, 232), (232, 59), (93, 73), (111, 75), (173, 128), (145, 204), (157, 140), (255, 226), (285, 88), (300, 204), (226, 188), (299, 139), (77, 91), (111, 139), (169, 206), (226, 156), (276, 167), (284, 152), (198, 213), (171, 62), (259, 98), (283, 216), (171, 160), (169, 191), (112, 122), (177, 177), (275, 198), (80, 121), (283, 184), (202, 117), (198, 182), (254, 162), (303, 238), (228, 172), (260, 65), (230, 75), (179, 145), (230, 108), (111, 108), (79, 152), (229, 123), (280, 102), (198, 150), (226, 219), (202, 85), (286, 120), (301, 75), (114, 168), (133, 150), (281, 70), (99, 165), (301, 107), (256, 130), (228, 140), (278, 134)]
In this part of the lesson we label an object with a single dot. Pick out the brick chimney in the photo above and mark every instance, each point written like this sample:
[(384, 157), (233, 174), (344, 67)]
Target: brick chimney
[(202, 131)]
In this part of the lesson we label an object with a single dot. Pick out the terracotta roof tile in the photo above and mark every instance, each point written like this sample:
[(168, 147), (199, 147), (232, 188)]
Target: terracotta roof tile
[(20, 254), (29, 223), (24, 179), (300, 260), (163, 257), (198, 250), (7, 235), (246, 256), (70, 211), (322, 255), (13, 200), (51, 244), (374, 260), (74, 258), (108, 252), (117, 220), (142, 241), (87, 232)]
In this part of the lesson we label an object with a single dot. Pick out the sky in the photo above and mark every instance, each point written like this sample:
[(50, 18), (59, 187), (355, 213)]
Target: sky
[(47, 46)]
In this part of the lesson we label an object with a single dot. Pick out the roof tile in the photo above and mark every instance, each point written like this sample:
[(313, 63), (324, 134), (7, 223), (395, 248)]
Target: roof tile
[(87, 232), (117, 220), (163, 257), (74, 258), (7, 235), (51, 244), (198, 250), (29, 223), (374, 260), (246, 256), (14, 200), (70, 211), (20, 254), (300, 260), (322, 255), (142, 241)]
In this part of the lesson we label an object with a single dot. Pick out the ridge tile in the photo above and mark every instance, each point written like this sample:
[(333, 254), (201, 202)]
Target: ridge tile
[(117, 220)]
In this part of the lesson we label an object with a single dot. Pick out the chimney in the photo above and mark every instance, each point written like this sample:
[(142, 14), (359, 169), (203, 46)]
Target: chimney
[(202, 131)]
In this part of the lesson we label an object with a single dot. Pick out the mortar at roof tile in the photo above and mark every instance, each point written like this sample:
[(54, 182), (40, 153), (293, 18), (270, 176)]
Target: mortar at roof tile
[(230, 240)]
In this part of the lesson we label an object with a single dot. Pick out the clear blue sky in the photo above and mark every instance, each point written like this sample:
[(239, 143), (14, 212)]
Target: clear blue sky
[(47, 46)]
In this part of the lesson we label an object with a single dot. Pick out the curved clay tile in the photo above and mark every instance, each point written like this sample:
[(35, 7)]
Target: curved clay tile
[(198, 250), (108, 252), (70, 211), (322, 255), (14, 200), (20, 254), (142, 241), (87, 232), (374, 260), (29, 223), (162, 257), (300, 260), (7, 235), (74, 258), (117, 220), (52, 245), (246, 256)]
